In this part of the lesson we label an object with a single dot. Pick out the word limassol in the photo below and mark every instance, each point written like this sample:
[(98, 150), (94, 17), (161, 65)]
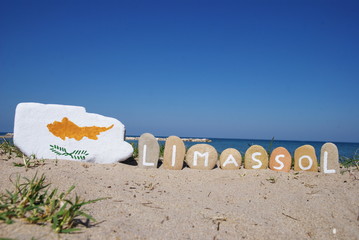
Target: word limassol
[(71, 133), (204, 156)]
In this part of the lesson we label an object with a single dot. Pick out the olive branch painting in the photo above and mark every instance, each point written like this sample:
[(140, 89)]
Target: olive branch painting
[(76, 154)]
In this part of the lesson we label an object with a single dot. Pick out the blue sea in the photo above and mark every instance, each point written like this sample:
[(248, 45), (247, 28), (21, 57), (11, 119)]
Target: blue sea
[(345, 149)]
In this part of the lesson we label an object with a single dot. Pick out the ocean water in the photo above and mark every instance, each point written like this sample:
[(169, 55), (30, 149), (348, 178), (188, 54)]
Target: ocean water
[(345, 149)]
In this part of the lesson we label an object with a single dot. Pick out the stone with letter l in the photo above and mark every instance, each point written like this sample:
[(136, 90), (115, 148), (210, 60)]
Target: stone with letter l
[(148, 151), (329, 158)]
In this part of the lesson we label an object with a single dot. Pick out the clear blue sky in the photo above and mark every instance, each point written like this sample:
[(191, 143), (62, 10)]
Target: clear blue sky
[(234, 69)]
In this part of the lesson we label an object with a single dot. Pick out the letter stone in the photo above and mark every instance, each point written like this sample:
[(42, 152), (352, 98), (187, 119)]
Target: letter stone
[(174, 153), (256, 157), (202, 156), (329, 159), (280, 160), (148, 151), (305, 159), (230, 159)]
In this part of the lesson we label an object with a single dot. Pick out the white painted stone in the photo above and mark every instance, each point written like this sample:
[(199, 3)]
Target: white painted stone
[(68, 132)]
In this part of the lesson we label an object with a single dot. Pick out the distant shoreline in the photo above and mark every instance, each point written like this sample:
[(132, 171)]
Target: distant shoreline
[(183, 139), (7, 135), (197, 139), (11, 135)]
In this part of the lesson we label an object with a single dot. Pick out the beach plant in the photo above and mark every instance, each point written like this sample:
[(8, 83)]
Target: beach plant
[(33, 201), (9, 149), (30, 162), (350, 161), (270, 147), (162, 150), (135, 150)]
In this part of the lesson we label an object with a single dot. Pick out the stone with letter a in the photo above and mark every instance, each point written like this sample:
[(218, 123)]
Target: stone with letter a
[(230, 159)]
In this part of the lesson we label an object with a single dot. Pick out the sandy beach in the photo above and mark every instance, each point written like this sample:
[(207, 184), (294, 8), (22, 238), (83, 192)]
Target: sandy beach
[(193, 204)]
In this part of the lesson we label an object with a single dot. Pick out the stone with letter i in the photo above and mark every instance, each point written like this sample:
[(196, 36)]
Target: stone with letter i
[(280, 160), (329, 158), (256, 157), (174, 153), (305, 159), (148, 151)]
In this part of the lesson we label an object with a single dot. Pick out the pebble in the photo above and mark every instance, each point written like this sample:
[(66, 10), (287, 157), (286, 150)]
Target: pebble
[(174, 153), (230, 159), (329, 159), (202, 156), (256, 157), (305, 159), (280, 160), (148, 151)]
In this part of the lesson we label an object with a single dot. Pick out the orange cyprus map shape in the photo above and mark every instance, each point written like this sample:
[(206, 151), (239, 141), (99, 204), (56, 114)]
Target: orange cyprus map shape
[(66, 128)]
